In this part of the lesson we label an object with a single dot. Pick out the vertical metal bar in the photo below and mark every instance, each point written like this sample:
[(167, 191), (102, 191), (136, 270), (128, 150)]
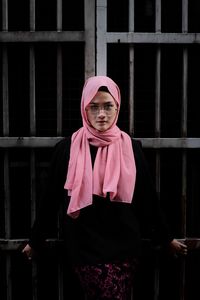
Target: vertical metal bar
[(59, 90), (33, 186), (33, 133), (183, 229), (7, 209), (5, 71), (32, 15), (184, 134), (59, 133), (131, 70), (101, 65), (157, 92), (32, 159), (131, 90), (59, 15), (32, 73), (184, 16), (184, 97), (7, 206), (32, 92), (185, 69), (33, 215), (158, 15), (184, 153), (90, 56), (5, 15), (60, 264), (5, 91), (157, 133), (59, 125), (157, 130)]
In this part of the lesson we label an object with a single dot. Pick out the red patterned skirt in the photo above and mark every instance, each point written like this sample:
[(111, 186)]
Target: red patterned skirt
[(107, 281)]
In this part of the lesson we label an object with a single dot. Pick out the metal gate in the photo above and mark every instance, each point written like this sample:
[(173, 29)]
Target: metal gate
[(151, 49)]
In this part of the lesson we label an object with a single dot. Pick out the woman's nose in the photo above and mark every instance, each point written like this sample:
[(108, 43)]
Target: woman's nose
[(101, 113)]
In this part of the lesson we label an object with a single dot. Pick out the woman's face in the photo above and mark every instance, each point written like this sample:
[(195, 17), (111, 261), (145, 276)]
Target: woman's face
[(102, 111)]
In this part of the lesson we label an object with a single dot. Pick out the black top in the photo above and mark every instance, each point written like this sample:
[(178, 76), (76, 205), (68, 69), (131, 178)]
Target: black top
[(105, 230)]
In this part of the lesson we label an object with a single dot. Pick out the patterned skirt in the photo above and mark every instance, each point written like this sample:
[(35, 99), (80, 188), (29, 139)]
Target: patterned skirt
[(107, 281)]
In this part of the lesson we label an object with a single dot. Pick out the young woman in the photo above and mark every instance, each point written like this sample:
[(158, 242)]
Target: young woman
[(101, 176)]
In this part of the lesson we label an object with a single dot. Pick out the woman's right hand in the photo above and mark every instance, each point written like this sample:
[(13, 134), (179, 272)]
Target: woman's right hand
[(28, 251)]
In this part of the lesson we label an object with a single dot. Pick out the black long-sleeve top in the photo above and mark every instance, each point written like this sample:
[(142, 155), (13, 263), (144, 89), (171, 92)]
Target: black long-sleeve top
[(106, 230)]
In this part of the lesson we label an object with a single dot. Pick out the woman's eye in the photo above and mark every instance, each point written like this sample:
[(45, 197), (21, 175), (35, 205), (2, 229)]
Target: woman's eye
[(108, 107), (94, 107)]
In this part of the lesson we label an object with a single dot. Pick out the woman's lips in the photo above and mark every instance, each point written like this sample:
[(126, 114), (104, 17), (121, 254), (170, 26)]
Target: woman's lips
[(101, 122)]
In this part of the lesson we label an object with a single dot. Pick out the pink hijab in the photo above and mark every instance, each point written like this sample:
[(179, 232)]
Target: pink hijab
[(114, 170)]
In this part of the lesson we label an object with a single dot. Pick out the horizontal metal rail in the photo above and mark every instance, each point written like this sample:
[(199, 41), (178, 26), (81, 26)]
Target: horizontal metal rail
[(39, 142), (152, 38), (111, 37), (41, 36), (15, 244)]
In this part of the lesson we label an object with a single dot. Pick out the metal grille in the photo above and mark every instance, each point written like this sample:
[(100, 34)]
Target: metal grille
[(149, 52), (45, 59), (151, 48)]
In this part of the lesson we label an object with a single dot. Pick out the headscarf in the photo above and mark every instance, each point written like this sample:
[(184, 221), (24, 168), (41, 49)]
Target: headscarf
[(114, 170)]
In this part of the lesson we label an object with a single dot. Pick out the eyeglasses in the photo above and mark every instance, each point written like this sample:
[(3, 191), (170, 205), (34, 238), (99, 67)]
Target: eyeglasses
[(94, 109)]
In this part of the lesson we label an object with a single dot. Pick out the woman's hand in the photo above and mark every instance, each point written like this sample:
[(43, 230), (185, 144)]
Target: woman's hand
[(177, 248), (28, 251)]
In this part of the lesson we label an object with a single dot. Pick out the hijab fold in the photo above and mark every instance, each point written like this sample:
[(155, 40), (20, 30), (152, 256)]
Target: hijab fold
[(114, 170)]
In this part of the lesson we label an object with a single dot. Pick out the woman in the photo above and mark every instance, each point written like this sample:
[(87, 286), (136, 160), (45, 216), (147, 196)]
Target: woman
[(101, 176)]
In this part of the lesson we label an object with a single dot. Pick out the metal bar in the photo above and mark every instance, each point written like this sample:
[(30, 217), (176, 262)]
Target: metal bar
[(101, 64), (5, 91), (109, 37), (59, 15), (157, 134), (157, 92), (14, 244), (184, 135), (32, 15), (32, 92), (8, 278), (158, 16), (157, 277), (131, 15), (157, 114), (131, 71), (7, 195), (7, 223), (152, 38), (42, 36), (6, 156), (33, 185), (6, 169), (4, 15), (90, 55), (60, 264), (184, 154), (39, 142), (59, 89), (184, 16), (33, 215), (131, 91), (184, 166), (30, 142), (184, 220), (184, 97)]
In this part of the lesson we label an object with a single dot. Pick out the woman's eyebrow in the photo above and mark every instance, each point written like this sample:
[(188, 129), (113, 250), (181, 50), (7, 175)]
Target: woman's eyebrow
[(106, 102)]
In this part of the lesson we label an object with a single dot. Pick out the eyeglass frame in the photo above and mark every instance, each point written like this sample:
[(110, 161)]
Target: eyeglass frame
[(101, 107)]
